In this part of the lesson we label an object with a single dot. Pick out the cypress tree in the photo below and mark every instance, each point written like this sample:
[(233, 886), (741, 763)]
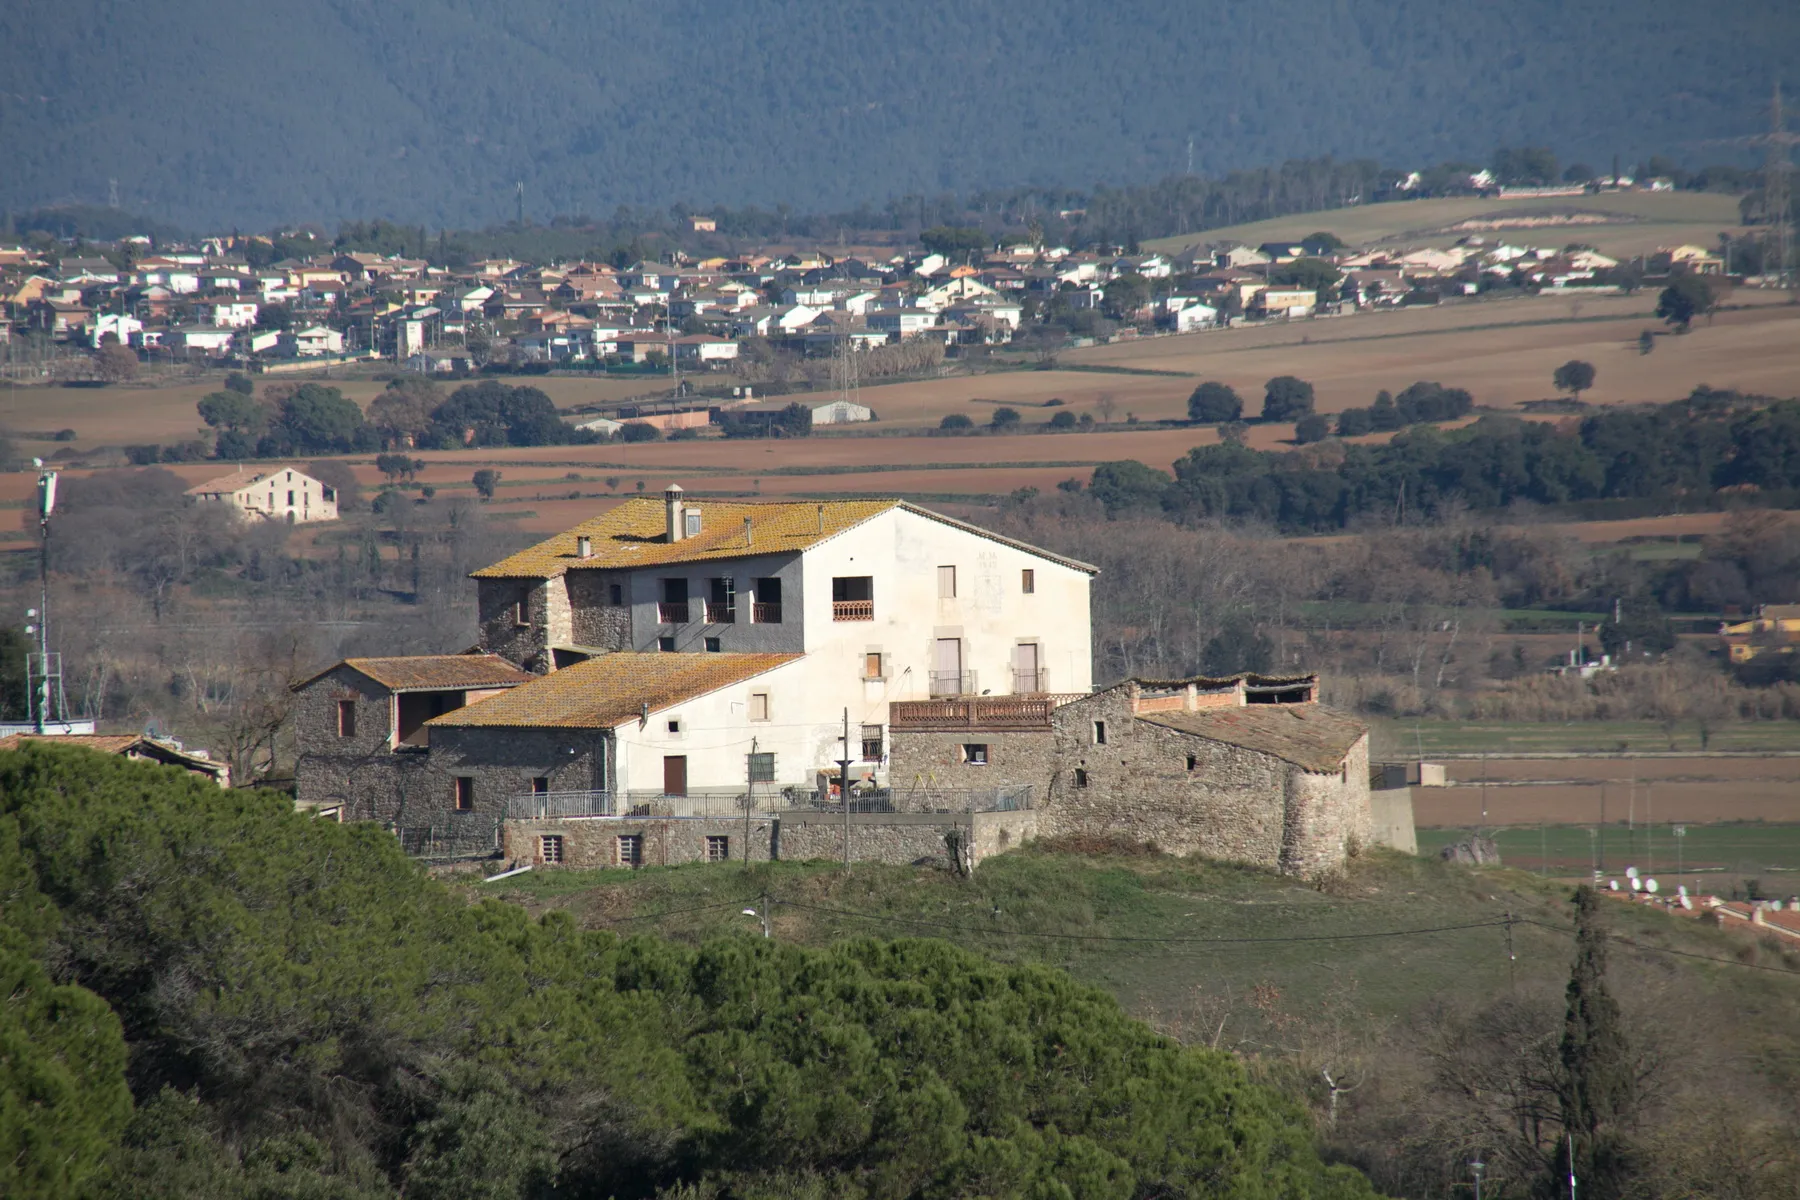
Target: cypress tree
[(1598, 1085)]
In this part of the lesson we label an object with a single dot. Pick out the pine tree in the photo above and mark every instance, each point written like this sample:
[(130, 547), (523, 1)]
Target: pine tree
[(1598, 1081)]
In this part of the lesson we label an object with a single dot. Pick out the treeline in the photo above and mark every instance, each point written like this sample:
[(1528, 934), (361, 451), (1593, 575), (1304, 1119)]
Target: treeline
[(212, 996), (1711, 442), (1422, 403), (313, 418)]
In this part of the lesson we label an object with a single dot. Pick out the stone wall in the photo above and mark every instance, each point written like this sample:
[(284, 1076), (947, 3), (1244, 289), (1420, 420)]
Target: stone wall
[(919, 762), (992, 833), (496, 606), (593, 619), (894, 838), (594, 842), (1327, 816)]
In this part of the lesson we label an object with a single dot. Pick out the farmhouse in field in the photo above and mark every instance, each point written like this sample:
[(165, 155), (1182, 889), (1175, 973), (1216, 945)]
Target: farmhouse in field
[(271, 494)]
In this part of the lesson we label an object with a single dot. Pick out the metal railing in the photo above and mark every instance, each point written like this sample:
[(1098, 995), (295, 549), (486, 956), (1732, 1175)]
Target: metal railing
[(723, 804), (952, 683), (720, 614), (977, 712), (1007, 798), (672, 612), (1031, 683), (766, 614), (853, 610)]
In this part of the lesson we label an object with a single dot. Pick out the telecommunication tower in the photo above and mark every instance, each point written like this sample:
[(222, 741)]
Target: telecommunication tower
[(43, 667)]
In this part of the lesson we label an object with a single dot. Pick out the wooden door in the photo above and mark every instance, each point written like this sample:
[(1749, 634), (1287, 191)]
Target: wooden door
[(674, 774), (1025, 669)]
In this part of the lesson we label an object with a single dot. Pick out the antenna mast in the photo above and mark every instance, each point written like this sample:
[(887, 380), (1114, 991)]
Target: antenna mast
[(43, 670), (1776, 198)]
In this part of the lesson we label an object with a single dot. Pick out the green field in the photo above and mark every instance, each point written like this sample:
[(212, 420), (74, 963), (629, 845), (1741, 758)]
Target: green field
[(1651, 219), (1405, 739), (1739, 849), (1244, 929)]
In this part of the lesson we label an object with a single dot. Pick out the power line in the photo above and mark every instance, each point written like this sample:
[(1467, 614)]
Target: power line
[(1636, 945)]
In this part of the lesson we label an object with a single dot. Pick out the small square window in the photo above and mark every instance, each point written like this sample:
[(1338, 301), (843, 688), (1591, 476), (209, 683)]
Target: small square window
[(759, 706), (631, 849), (975, 754), (1080, 777), (666, 645), (540, 786), (550, 848), (718, 848), (1099, 733), (465, 793), (346, 714), (874, 745), (714, 645), (691, 526), (872, 665), (762, 767), (946, 583), (1028, 581), (675, 725), (615, 595)]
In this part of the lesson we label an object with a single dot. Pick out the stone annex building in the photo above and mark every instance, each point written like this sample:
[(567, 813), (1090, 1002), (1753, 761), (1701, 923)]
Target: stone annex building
[(673, 682)]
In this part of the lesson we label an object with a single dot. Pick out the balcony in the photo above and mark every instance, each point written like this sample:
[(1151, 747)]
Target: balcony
[(952, 683), (720, 614), (766, 614), (853, 610), (1031, 683), (672, 612), (976, 712)]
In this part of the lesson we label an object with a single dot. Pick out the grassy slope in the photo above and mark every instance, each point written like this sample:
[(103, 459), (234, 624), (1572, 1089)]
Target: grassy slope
[(1013, 897), (1653, 218)]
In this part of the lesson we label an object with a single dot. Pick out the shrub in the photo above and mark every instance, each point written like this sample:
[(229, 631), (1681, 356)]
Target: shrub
[(956, 423), (1062, 420), (638, 431)]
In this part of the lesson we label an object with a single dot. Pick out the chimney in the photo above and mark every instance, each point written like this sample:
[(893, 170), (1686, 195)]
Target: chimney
[(584, 546), (1190, 698), (749, 533), (821, 518), (672, 503)]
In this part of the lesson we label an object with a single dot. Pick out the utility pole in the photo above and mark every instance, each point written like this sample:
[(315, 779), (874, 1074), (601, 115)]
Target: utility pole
[(844, 786)]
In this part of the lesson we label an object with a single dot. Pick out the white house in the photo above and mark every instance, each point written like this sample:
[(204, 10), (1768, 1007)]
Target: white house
[(271, 494), (816, 614), (231, 314), (209, 340), (120, 325), (311, 342), (703, 349), (900, 323), (1190, 317)]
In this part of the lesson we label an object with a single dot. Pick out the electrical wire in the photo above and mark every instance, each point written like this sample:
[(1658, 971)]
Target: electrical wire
[(1635, 945)]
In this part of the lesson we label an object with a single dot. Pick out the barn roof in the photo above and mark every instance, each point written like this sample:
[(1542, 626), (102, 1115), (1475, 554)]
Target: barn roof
[(1312, 738), (612, 689)]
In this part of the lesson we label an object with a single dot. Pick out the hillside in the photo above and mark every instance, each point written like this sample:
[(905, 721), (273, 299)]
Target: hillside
[(246, 115)]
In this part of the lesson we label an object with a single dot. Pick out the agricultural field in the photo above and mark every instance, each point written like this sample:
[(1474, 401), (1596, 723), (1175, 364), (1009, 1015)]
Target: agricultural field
[(1403, 739), (1709, 857), (1618, 224)]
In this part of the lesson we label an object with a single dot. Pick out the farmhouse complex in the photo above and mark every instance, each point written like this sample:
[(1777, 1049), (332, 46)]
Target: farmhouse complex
[(675, 681)]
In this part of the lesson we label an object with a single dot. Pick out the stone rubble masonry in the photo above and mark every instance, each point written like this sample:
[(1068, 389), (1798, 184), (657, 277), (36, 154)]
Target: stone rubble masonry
[(1391, 824), (895, 839), (921, 762)]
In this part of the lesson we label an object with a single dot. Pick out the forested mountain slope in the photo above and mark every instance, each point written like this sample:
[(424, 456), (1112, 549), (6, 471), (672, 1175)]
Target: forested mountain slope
[(429, 110)]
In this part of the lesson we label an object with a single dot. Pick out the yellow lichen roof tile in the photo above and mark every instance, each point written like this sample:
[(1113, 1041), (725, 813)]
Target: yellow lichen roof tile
[(1312, 738), (635, 534), (610, 690), (432, 672)]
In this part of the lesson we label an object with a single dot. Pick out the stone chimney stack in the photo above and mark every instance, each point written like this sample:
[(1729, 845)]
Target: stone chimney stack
[(672, 504)]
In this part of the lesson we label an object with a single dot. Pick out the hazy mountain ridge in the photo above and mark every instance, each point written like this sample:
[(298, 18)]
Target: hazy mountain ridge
[(428, 112)]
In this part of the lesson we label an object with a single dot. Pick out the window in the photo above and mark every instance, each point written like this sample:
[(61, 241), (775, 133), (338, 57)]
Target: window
[(721, 601), (675, 725), (853, 598), (465, 793), (873, 744), (767, 608), (540, 786), (714, 645), (1099, 733), (631, 849), (946, 583), (1028, 581), (1193, 763), (550, 848), (615, 595), (521, 609), (975, 754), (290, 497), (346, 710), (718, 848), (759, 706), (673, 610), (1080, 777), (762, 767), (872, 665), (690, 526), (666, 645)]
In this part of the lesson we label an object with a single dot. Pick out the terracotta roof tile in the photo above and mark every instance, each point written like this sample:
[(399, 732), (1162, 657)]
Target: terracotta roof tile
[(105, 743), (237, 479), (634, 535), (612, 689), (1312, 738), (424, 672)]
